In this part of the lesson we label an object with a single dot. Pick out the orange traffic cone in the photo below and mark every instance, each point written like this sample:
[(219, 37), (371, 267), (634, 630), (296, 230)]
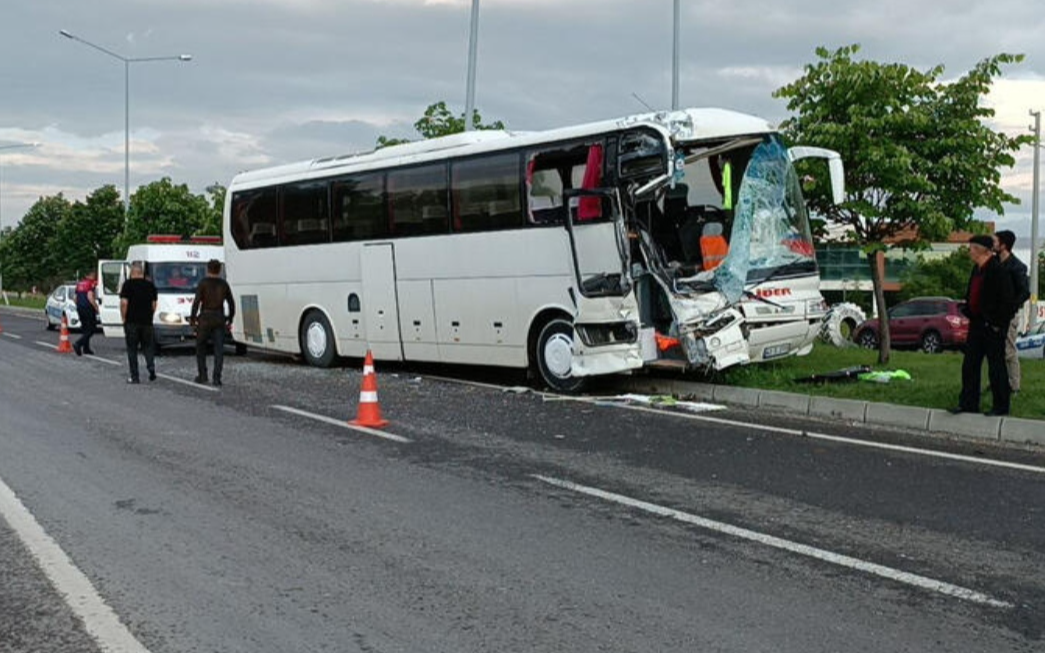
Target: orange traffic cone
[(369, 409), (63, 339)]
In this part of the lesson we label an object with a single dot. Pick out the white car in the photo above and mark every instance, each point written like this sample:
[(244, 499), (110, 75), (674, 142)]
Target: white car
[(62, 300), (1032, 344)]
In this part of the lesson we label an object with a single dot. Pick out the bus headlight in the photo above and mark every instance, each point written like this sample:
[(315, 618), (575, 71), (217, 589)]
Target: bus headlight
[(171, 318)]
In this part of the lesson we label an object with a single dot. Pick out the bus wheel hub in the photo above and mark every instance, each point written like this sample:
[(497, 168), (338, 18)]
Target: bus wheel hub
[(558, 355)]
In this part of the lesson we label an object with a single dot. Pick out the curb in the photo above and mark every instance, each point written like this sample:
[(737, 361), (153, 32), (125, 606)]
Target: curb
[(930, 420)]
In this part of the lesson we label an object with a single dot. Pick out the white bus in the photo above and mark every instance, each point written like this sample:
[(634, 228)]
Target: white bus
[(675, 239)]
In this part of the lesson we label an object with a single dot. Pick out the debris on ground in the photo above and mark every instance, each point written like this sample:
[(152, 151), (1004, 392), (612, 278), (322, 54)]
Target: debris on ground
[(838, 376), (885, 376), (517, 389)]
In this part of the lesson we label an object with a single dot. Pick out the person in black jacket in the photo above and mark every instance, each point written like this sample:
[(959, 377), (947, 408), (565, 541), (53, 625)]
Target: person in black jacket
[(209, 316), (1003, 242), (990, 306)]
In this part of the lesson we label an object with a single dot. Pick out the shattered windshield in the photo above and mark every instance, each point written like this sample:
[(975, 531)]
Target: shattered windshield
[(770, 233)]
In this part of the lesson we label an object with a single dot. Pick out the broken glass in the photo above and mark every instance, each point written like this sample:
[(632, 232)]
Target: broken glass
[(770, 227)]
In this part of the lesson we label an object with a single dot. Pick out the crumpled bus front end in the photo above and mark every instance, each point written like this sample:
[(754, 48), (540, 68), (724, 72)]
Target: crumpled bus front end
[(728, 273)]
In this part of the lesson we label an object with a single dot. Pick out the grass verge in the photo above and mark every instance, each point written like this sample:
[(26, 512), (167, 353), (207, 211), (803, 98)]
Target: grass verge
[(935, 378), (25, 302)]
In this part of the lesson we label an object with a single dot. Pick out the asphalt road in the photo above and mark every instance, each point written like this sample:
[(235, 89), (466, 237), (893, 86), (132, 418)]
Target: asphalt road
[(216, 520)]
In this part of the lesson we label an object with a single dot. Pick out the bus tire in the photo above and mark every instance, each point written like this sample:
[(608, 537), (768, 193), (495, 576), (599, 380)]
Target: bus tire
[(317, 340), (241, 349), (553, 355)]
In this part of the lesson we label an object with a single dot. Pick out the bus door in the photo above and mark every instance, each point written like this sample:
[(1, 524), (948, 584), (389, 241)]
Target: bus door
[(606, 319), (111, 275), (380, 304)]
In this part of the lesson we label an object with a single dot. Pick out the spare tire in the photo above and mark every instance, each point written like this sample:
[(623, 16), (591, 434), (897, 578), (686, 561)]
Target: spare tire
[(840, 324)]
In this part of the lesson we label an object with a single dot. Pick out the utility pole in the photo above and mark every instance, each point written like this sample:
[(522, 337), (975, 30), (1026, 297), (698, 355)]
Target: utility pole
[(473, 47), (1034, 221), (675, 60)]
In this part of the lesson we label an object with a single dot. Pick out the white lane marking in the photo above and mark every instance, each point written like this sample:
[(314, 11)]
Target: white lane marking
[(109, 361), (343, 424), (49, 345), (13, 335), (191, 384), (767, 428), (98, 618), (889, 573), (832, 438), (476, 384)]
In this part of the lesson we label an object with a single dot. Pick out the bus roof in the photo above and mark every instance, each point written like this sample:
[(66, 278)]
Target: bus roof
[(683, 125)]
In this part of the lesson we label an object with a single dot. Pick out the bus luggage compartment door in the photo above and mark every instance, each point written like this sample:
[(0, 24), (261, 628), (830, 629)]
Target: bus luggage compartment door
[(380, 305)]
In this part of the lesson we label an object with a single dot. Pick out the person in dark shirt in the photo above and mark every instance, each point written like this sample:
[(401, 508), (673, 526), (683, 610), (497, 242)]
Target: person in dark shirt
[(990, 306), (1003, 242), (87, 311), (137, 306), (209, 316)]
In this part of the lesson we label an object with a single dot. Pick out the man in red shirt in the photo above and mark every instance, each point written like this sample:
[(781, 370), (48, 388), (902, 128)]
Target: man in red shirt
[(989, 305), (87, 309)]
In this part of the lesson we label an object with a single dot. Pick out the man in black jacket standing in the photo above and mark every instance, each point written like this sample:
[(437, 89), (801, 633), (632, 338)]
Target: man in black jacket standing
[(990, 307), (209, 316), (1003, 242)]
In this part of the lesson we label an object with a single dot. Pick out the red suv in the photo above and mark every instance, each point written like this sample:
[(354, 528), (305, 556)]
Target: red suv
[(930, 323)]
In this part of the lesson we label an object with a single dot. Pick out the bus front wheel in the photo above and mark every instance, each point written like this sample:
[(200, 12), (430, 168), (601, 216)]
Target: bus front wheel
[(554, 355), (317, 340)]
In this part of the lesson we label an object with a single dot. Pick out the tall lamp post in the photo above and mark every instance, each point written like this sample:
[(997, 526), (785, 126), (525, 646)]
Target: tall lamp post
[(473, 46), (6, 147), (675, 59), (1034, 221), (127, 61)]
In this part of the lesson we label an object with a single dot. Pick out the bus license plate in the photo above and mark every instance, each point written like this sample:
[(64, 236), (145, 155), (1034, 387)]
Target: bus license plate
[(776, 350)]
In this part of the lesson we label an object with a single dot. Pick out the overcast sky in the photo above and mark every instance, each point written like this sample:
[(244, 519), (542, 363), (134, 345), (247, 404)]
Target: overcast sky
[(275, 81)]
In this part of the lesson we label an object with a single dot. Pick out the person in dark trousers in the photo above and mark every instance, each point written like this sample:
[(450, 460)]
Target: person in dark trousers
[(211, 320), (137, 306), (990, 306), (87, 310), (1003, 243)]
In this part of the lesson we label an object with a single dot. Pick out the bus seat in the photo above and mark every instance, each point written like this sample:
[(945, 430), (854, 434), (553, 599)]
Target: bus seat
[(262, 234), (713, 245), (434, 218)]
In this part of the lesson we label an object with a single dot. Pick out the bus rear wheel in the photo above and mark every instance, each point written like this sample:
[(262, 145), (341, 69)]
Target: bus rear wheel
[(317, 340), (554, 354)]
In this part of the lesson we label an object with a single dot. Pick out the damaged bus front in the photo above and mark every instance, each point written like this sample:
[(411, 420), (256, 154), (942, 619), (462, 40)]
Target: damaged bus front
[(718, 246)]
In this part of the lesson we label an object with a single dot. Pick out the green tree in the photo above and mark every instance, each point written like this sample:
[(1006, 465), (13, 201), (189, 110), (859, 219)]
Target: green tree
[(938, 277), (916, 150), (163, 208), (212, 226), (30, 258), (86, 233), (439, 121)]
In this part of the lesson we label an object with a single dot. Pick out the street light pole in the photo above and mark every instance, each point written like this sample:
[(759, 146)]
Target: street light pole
[(1034, 221), (5, 147), (127, 61), (675, 60), (473, 46)]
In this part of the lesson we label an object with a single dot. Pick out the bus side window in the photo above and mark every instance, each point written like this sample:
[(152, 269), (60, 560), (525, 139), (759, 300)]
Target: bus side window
[(486, 193), (417, 200), (255, 213), (544, 188), (359, 208)]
